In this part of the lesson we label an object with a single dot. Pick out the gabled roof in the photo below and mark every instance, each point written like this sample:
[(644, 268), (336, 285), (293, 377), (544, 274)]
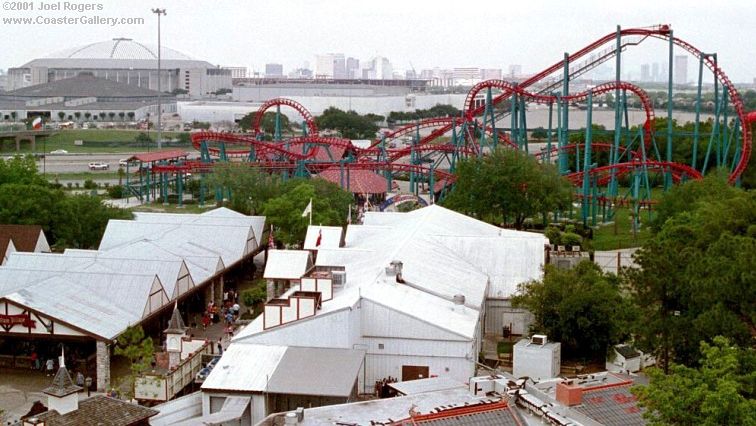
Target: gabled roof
[(330, 237), (287, 264), (99, 410), (245, 368), (176, 323), (24, 237)]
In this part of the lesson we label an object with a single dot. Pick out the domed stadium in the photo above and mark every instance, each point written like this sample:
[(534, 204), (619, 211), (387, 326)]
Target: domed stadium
[(125, 61)]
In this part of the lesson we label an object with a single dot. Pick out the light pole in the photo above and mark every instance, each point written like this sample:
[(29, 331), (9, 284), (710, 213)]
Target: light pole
[(159, 12)]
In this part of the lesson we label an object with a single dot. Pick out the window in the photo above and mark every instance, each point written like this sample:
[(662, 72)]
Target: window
[(380, 345)]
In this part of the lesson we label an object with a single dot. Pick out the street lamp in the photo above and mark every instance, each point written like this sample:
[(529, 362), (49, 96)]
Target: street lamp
[(159, 12)]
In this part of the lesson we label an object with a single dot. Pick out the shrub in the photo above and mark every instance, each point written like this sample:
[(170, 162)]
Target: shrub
[(90, 184), (116, 191), (255, 295)]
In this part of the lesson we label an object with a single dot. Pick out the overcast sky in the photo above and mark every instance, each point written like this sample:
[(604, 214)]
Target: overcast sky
[(490, 34)]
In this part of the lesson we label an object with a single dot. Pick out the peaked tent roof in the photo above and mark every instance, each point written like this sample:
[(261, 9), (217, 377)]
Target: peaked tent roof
[(356, 181), (62, 385), (176, 323)]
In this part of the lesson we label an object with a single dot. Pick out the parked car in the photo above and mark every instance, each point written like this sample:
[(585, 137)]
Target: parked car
[(98, 166), (59, 151), (123, 162)]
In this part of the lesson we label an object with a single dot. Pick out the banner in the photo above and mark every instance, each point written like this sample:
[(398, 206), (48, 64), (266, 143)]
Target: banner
[(20, 319)]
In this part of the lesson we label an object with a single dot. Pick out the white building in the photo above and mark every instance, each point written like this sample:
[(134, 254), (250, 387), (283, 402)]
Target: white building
[(125, 61), (412, 293)]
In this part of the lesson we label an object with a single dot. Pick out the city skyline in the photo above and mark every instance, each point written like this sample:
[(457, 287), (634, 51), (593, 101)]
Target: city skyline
[(411, 36)]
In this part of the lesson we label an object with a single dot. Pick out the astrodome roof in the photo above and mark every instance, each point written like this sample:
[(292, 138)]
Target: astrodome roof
[(118, 48), (118, 53)]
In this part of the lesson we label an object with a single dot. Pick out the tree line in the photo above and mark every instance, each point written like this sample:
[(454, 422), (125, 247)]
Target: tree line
[(73, 221)]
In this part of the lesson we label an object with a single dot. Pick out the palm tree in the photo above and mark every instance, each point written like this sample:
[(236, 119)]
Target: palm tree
[(77, 114), (111, 114), (61, 115), (102, 115), (87, 115), (121, 115), (13, 115), (131, 115)]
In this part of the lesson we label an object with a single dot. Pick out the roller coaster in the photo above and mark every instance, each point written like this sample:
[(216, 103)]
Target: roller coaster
[(605, 174)]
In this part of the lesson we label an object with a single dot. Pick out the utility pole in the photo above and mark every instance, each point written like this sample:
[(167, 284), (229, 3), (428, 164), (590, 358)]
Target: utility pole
[(159, 12)]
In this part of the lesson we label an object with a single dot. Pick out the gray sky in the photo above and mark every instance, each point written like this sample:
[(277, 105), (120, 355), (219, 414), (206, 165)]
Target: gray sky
[(491, 34)]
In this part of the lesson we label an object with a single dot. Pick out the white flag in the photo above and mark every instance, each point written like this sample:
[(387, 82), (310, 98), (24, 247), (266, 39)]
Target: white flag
[(308, 209)]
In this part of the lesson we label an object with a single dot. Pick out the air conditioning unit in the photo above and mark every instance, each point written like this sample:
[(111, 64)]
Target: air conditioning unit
[(338, 278), (538, 339)]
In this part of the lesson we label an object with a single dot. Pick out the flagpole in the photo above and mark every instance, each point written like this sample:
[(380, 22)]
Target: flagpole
[(310, 211)]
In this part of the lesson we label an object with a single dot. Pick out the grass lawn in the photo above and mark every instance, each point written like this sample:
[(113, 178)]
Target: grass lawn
[(619, 235), (95, 141), (99, 175)]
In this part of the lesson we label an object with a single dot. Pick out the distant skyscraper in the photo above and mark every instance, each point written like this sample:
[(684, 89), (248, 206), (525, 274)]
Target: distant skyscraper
[(645, 72), (515, 71), (330, 65), (681, 69), (273, 70), (304, 73), (378, 68), (655, 75), (490, 74), (237, 72), (352, 68)]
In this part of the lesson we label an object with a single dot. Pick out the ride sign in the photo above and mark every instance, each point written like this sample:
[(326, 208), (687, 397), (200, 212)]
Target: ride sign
[(20, 319)]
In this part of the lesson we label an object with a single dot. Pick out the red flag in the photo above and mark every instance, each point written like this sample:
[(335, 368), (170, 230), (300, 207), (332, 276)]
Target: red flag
[(320, 237)]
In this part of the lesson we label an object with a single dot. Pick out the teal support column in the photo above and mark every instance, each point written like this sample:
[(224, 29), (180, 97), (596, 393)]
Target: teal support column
[(723, 145), (614, 152), (180, 188), (514, 134), (565, 115), (277, 130), (548, 134), (696, 129), (587, 160), (668, 174), (202, 190), (523, 124)]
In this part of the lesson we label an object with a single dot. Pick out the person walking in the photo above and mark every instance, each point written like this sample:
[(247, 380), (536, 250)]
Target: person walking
[(34, 361), (220, 346), (80, 380), (50, 366)]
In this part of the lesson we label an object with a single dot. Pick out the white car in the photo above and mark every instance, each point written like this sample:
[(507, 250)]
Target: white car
[(123, 162), (59, 151), (98, 166)]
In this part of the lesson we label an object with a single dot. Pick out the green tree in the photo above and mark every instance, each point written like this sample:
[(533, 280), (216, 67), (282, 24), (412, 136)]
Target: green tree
[(30, 205), (121, 115), (111, 114), (508, 186), (77, 114), (61, 115), (249, 188), (539, 133), (720, 392), (330, 205), (87, 115), (143, 139), (268, 124), (81, 220), (20, 170), (131, 115), (349, 124), (138, 348), (580, 307), (695, 276)]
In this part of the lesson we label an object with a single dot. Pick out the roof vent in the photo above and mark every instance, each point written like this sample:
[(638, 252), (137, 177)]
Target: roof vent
[(459, 299), (538, 339), (394, 268)]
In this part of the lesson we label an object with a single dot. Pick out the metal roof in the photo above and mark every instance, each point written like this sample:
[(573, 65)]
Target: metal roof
[(101, 304), (124, 64), (245, 368), (316, 371), (287, 264), (612, 406), (119, 48), (330, 237)]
